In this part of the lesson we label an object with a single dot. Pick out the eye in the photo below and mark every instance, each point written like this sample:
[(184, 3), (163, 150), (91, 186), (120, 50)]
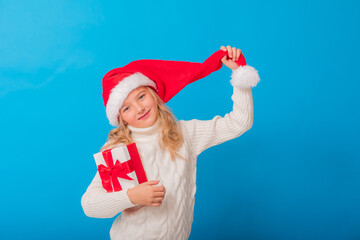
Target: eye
[(142, 96), (125, 109)]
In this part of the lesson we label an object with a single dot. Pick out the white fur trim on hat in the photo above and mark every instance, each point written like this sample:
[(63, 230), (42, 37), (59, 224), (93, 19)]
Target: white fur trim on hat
[(119, 93), (244, 77)]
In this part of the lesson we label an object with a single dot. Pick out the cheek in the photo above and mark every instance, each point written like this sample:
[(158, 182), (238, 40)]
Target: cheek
[(129, 116), (156, 111), (151, 103), (124, 117)]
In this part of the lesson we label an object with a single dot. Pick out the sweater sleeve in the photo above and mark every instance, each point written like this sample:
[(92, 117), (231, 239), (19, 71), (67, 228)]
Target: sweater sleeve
[(98, 203), (205, 134)]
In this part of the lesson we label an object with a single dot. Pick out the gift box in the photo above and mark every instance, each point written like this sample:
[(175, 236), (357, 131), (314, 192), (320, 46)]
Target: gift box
[(120, 168)]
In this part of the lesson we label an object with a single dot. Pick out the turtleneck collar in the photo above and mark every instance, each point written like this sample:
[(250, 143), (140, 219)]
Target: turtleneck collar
[(145, 134)]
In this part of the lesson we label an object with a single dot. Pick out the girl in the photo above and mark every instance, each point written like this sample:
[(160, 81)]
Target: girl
[(163, 207)]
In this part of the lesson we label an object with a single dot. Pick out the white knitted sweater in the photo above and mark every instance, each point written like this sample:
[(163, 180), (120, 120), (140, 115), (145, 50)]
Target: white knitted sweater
[(173, 219)]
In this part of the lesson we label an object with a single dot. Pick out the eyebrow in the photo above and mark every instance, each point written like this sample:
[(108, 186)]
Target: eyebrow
[(140, 92)]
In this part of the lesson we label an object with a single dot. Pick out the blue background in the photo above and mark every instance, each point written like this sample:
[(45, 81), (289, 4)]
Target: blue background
[(294, 175)]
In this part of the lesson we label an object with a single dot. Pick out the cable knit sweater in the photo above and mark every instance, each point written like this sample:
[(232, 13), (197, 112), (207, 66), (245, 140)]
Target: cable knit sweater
[(173, 219)]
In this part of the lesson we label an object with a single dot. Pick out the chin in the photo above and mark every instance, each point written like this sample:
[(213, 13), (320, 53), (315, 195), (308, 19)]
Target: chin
[(144, 124), (150, 123)]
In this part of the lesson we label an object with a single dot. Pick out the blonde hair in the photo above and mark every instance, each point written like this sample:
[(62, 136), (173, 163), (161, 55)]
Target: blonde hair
[(171, 136)]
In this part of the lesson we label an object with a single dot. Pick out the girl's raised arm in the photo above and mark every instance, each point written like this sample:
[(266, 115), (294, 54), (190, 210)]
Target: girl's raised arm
[(205, 134)]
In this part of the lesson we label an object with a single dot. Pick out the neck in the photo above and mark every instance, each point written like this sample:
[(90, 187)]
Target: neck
[(145, 134)]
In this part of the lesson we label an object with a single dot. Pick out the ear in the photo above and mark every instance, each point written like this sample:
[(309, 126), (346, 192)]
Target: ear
[(120, 119)]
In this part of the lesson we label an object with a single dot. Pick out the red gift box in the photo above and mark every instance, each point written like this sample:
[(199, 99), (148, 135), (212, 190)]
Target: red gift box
[(120, 168)]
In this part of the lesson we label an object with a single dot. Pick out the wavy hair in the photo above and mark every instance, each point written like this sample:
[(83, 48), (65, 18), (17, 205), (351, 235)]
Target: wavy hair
[(171, 136)]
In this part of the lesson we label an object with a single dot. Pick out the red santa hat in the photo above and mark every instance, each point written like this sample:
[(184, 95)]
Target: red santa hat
[(167, 78)]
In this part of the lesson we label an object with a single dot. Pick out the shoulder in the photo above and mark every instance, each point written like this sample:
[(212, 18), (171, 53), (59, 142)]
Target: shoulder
[(183, 125)]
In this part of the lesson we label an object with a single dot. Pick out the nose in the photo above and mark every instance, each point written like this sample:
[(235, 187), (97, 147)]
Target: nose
[(139, 108)]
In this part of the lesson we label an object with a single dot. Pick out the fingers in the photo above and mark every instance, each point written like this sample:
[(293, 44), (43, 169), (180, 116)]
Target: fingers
[(238, 53), (158, 194), (234, 53), (229, 51), (154, 195), (156, 204), (152, 182), (159, 188), (157, 199)]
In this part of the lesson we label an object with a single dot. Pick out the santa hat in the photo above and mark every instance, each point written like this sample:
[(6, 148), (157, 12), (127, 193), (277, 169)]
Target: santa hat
[(167, 78)]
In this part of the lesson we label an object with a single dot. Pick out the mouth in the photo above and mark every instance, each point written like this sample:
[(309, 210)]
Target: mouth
[(144, 116)]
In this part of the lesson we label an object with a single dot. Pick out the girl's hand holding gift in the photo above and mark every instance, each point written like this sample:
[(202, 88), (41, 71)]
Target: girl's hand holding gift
[(234, 55), (147, 194)]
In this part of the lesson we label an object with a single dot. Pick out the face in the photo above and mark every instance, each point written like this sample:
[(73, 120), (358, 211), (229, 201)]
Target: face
[(139, 108)]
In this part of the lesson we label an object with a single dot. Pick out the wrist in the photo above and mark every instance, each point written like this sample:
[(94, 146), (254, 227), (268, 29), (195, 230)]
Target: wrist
[(130, 195), (244, 77)]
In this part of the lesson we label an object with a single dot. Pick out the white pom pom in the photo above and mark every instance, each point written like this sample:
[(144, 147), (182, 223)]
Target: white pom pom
[(244, 77)]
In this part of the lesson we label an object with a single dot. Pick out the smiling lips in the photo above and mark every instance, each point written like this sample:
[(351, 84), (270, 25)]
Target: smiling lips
[(144, 116)]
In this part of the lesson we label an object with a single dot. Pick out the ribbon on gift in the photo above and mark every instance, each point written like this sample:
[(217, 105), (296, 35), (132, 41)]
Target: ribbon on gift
[(109, 174)]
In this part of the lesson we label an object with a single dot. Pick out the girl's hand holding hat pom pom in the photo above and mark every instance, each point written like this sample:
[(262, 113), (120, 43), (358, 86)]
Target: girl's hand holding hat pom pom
[(242, 76)]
